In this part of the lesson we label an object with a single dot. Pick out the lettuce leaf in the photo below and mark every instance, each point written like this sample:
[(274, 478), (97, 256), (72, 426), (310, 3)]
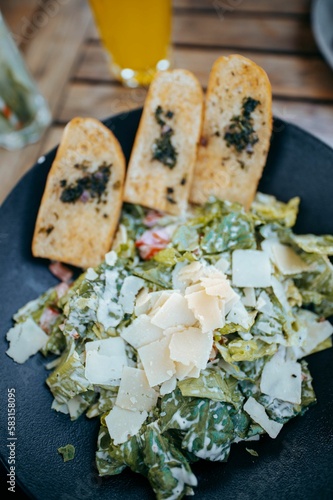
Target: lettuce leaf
[(106, 465), (158, 275), (235, 230), (246, 350), (169, 472), (212, 384), (268, 209), (129, 454), (316, 286), (185, 238), (310, 243), (68, 379)]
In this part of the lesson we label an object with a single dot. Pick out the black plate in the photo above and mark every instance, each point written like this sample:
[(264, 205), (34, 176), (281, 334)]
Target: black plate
[(297, 465)]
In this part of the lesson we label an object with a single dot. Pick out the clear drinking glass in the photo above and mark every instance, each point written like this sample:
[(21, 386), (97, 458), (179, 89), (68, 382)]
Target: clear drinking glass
[(137, 37), (24, 113)]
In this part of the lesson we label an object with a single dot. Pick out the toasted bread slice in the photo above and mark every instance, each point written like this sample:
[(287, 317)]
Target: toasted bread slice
[(82, 200), (237, 126), (161, 165)]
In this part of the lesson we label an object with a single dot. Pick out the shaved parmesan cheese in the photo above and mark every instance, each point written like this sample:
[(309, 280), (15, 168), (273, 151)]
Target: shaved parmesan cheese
[(265, 305), (282, 379), (155, 358), (286, 260), (280, 293), (197, 287), (231, 301), (105, 360), (143, 302), (91, 274), (168, 386), (258, 414), (191, 346), (223, 265), (207, 309), (173, 312), (316, 332), (195, 372), (141, 332), (251, 268), (74, 406), (178, 284), (129, 290), (216, 286), (158, 299), (191, 273), (25, 339), (113, 346), (60, 407), (240, 316), (182, 370), (123, 424), (103, 370), (111, 258), (249, 298), (135, 392)]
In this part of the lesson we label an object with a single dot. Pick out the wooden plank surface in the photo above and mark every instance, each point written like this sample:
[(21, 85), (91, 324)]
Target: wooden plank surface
[(291, 76), (51, 63), (284, 7), (264, 34), (18, 16)]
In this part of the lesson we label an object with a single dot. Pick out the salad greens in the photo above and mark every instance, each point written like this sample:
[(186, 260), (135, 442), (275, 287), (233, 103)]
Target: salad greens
[(67, 452), (253, 379)]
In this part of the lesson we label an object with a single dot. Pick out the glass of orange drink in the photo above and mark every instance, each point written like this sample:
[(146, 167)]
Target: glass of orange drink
[(137, 37)]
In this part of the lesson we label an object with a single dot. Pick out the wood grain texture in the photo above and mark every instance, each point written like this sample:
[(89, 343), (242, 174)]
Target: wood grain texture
[(261, 33), (257, 6), (290, 76), (99, 101), (51, 64), (19, 16)]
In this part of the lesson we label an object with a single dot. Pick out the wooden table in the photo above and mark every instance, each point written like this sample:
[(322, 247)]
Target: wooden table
[(63, 52)]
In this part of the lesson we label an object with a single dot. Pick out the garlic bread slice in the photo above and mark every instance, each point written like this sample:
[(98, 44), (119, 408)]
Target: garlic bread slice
[(161, 164), (236, 133), (81, 204)]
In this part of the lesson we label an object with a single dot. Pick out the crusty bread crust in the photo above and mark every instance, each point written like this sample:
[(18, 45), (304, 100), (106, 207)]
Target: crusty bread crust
[(220, 170), (149, 182), (80, 232)]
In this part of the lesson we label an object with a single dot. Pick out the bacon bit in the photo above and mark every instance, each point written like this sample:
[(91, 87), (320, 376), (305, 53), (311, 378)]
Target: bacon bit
[(62, 289), (48, 318), (152, 218), (74, 334), (151, 242), (63, 273)]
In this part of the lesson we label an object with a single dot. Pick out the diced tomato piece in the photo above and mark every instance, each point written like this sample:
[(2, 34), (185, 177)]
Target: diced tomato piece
[(62, 289), (152, 242), (60, 271), (47, 318), (152, 218)]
